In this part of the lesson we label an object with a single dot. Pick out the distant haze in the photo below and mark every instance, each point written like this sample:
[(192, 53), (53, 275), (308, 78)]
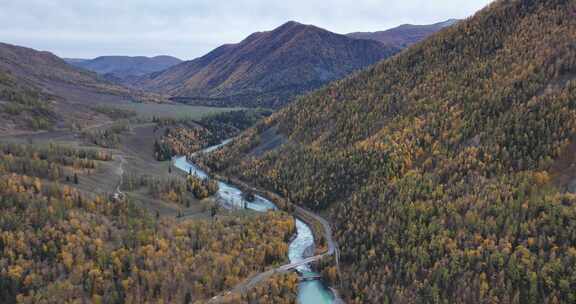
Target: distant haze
[(191, 28)]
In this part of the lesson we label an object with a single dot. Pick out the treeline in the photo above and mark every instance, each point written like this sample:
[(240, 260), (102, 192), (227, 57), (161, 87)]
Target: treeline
[(51, 161), (183, 140), (229, 124), (58, 246), (436, 165), (176, 190), (108, 137), (278, 289), (184, 137)]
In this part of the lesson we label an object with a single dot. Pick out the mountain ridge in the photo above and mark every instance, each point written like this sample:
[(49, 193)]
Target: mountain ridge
[(404, 35), (62, 94), (268, 68), (125, 67)]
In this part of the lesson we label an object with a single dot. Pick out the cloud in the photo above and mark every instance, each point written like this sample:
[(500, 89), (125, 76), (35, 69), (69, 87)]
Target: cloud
[(190, 28)]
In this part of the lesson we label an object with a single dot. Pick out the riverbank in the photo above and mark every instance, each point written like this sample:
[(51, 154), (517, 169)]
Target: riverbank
[(324, 245), (319, 227)]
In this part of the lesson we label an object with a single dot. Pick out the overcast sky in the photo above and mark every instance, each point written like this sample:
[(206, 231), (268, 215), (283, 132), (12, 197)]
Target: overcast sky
[(191, 28)]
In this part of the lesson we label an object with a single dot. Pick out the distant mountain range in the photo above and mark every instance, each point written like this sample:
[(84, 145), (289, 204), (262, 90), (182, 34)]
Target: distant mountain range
[(267, 69), (120, 68), (405, 35)]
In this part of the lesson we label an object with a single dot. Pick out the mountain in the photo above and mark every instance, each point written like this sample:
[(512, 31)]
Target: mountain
[(267, 69), (445, 169), (405, 35), (46, 70), (123, 67), (23, 107), (75, 61), (40, 90)]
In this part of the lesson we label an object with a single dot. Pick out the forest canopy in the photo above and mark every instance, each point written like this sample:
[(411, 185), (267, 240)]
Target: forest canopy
[(438, 166)]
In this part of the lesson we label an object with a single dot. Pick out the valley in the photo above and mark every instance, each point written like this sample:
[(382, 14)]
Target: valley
[(135, 155), (427, 163)]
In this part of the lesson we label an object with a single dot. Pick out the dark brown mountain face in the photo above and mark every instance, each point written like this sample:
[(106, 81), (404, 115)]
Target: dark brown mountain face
[(404, 35), (267, 69), (122, 68)]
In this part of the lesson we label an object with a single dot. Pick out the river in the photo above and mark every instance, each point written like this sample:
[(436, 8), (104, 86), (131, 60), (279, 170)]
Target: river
[(301, 247)]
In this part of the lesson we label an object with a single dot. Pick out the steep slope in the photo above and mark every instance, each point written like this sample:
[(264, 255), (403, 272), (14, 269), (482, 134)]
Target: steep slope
[(23, 107), (45, 70), (269, 68), (405, 35), (32, 80), (125, 67), (436, 165)]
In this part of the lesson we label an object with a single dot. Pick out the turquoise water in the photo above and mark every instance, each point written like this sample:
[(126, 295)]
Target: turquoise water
[(309, 292), (313, 292), (229, 195)]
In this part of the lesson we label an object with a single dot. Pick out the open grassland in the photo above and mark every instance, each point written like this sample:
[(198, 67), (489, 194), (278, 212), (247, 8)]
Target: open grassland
[(176, 111), (136, 149)]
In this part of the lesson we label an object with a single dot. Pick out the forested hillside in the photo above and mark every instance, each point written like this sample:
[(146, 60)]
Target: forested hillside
[(46, 70), (187, 137), (40, 91), (436, 165), (22, 106), (58, 244)]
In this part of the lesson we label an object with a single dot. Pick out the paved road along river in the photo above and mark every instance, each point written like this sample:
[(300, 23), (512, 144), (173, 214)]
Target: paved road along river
[(310, 292)]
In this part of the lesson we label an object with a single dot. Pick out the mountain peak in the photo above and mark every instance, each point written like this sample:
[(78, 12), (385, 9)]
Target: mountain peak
[(292, 23), (295, 26), (269, 68)]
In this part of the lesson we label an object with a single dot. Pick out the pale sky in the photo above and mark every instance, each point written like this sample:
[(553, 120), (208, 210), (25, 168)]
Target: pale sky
[(191, 28)]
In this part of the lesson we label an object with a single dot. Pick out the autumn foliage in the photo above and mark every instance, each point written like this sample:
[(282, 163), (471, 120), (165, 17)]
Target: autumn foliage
[(57, 246), (435, 165)]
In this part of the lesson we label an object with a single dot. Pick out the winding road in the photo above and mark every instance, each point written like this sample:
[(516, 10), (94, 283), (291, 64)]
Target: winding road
[(305, 215), (310, 218)]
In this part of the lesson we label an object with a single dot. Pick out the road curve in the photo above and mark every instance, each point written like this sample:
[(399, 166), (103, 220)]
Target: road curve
[(306, 216), (252, 281)]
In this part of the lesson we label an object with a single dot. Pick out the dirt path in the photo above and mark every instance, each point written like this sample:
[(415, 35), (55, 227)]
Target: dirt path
[(120, 172)]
